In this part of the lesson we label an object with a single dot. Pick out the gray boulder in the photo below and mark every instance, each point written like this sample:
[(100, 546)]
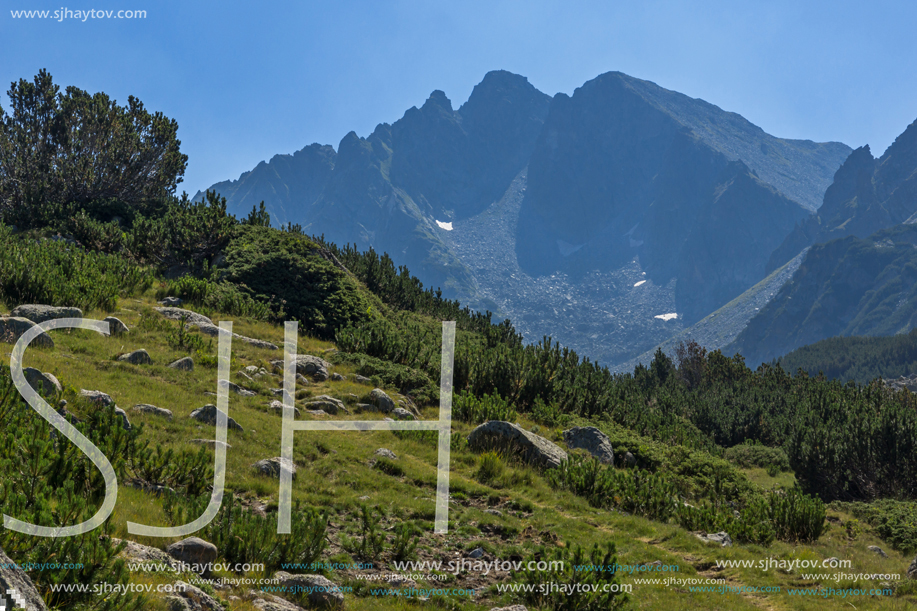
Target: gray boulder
[(193, 550), (45, 383), (277, 406), (875, 549), (912, 570), (336, 377), (362, 379), (124, 421), (721, 538), (146, 408), (41, 313), (97, 396), (237, 389), (385, 453), (172, 302), (191, 318), (592, 440), (192, 598), (402, 414), (381, 400), (136, 552), (309, 365), (508, 437), (184, 364), (115, 326), (628, 460), (12, 328), (208, 415), (323, 593), (137, 357), (16, 587), (273, 603), (327, 403), (272, 466)]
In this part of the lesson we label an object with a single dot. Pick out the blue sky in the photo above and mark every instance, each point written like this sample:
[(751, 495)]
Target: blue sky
[(247, 81)]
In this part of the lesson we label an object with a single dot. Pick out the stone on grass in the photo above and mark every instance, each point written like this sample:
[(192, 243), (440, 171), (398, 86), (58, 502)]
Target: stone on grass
[(336, 377), (41, 313), (208, 415), (323, 593), (402, 414), (184, 364), (277, 406), (146, 408), (385, 453), (193, 550), (721, 538), (381, 400), (362, 379), (592, 440), (115, 326), (237, 389), (193, 599), (877, 550), (97, 396), (137, 357), (45, 383), (508, 437), (272, 466), (12, 328)]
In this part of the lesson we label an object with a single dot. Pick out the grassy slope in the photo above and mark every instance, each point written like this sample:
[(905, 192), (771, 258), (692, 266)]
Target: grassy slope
[(335, 472)]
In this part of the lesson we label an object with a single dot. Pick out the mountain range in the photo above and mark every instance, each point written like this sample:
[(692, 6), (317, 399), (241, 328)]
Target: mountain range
[(611, 219)]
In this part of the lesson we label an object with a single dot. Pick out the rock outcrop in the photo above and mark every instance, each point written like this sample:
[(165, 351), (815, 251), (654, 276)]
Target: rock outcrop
[(513, 439)]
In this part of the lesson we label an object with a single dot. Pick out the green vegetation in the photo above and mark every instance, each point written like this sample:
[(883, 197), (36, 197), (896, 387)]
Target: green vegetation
[(695, 426), (861, 359)]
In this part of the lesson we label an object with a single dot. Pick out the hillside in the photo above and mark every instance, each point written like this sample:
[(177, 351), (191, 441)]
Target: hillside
[(622, 174), (867, 195), (508, 509), (858, 358), (846, 287), (570, 488)]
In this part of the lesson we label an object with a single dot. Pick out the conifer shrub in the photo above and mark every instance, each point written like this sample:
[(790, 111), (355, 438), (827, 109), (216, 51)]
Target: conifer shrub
[(477, 410), (594, 571)]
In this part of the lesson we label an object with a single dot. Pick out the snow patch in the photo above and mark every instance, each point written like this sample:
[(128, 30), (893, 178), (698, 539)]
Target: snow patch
[(446, 226), (641, 282), (669, 316)]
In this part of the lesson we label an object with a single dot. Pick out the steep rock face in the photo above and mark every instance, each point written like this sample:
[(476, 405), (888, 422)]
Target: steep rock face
[(867, 195), (616, 175), (849, 286), (287, 183)]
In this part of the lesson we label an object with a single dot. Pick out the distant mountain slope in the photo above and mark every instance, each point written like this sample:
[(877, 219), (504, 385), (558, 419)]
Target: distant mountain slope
[(626, 169), (861, 359), (849, 286), (867, 195), (625, 177), (718, 330)]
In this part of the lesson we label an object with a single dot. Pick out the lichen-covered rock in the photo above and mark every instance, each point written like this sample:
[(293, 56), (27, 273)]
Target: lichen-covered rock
[(12, 328), (208, 415), (172, 302), (402, 414), (272, 466), (146, 408), (191, 318), (381, 400), (508, 437), (97, 396), (44, 383), (193, 550), (386, 453), (184, 364), (237, 389), (14, 579), (192, 598), (592, 440), (137, 357), (323, 593), (40, 313), (277, 406), (115, 326)]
